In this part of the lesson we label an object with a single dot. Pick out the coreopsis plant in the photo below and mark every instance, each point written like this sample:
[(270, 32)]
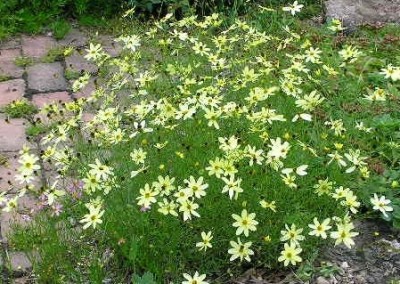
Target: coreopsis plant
[(208, 145), (294, 8), (381, 204), (391, 72)]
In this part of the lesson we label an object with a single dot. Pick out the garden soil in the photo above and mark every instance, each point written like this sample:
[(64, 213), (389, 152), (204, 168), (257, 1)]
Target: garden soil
[(375, 259)]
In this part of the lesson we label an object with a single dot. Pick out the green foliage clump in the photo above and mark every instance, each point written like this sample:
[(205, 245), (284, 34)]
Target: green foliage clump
[(23, 61), (146, 278), (37, 129), (54, 54), (32, 16), (20, 108), (60, 28), (213, 147), (3, 160), (71, 74), (4, 78)]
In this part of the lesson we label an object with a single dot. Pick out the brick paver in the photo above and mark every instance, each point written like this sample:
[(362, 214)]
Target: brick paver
[(8, 68), (37, 46), (86, 91), (12, 134), (43, 84), (110, 46), (78, 63), (8, 170), (86, 116), (11, 43), (28, 204), (7, 220), (9, 54), (41, 100), (46, 77), (11, 90), (74, 38)]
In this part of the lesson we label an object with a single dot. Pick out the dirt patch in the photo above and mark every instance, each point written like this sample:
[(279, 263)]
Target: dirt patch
[(375, 259)]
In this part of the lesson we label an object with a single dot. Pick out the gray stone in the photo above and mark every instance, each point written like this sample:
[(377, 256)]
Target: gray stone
[(78, 63), (45, 77), (20, 263), (359, 12), (74, 38)]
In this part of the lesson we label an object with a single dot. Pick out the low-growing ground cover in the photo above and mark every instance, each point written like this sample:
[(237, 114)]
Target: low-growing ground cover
[(214, 147), (38, 16)]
